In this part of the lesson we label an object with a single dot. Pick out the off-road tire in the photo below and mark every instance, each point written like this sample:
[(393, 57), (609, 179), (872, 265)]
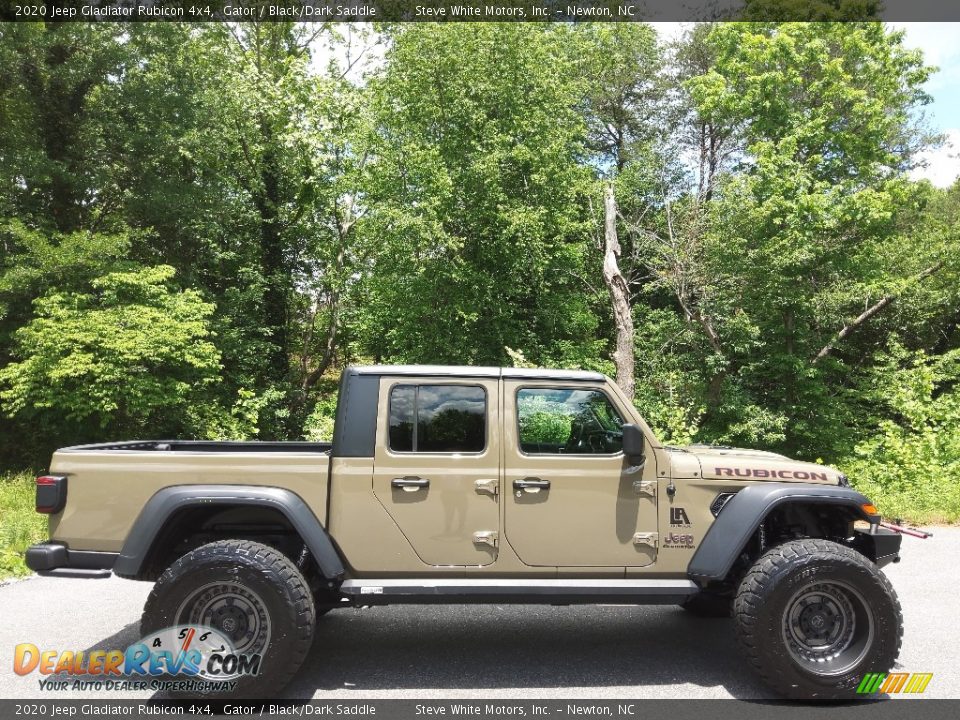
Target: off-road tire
[(260, 569), (808, 585), (708, 605)]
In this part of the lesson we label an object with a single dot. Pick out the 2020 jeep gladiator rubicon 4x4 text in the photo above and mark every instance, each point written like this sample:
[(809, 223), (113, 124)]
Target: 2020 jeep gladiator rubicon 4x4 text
[(482, 485)]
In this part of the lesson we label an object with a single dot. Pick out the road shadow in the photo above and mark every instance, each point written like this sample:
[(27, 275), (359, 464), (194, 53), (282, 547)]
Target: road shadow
[(478, 648), (120, 640), (491, 647)]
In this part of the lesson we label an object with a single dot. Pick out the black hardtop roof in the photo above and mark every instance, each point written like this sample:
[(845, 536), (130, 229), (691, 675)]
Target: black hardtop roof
[(470, 371)]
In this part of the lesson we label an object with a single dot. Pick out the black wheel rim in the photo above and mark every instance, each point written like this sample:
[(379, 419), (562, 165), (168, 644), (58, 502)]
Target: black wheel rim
[(827, 628), (234, 610)]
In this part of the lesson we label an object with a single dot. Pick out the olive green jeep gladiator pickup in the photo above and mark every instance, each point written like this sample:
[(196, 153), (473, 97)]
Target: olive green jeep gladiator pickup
[(481, 485)]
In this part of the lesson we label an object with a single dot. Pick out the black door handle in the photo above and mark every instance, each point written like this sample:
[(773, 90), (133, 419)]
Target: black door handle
[(410, 482), (531, 482)]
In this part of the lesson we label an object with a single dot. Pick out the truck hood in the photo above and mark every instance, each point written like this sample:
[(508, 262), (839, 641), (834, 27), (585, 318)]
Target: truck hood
[(721, 463)]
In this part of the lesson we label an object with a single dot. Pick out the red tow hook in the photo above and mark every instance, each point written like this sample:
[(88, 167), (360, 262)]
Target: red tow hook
[(912, 532)]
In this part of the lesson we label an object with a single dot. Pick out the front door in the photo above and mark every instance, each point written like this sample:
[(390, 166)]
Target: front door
[(437, 466), (572, 498)]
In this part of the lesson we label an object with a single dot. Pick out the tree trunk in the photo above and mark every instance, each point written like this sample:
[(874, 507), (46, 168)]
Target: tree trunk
[(623, 357), (788, 331), (273, 262)]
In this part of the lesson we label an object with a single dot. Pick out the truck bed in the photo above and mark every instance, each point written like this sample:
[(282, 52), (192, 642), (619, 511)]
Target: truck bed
[(206, 446), (110, 483)]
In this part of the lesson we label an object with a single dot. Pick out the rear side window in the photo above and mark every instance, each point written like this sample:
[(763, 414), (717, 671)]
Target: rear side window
[(438, 418)]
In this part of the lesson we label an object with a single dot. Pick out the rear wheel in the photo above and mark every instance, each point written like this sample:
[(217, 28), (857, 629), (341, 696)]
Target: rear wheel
[(249, 594), (814, 617)]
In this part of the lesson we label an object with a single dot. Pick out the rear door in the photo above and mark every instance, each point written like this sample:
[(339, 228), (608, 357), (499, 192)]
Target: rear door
[(437, 466), (573, 499)]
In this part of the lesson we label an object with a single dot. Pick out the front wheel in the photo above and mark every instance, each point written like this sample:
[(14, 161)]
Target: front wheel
[(252, 598), (813, 617)]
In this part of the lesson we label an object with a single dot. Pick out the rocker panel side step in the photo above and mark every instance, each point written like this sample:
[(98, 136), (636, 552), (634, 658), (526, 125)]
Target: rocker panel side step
[(543, 592)]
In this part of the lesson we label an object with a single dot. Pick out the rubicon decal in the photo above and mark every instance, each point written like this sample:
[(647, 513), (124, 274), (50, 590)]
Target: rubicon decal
[(892, 683), (771, 473), (191, 652)]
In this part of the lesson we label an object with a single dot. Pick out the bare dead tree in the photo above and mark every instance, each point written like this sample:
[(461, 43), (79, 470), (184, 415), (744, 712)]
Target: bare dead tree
[(623, 356), (863, 317), (345, 216), (673, 256)]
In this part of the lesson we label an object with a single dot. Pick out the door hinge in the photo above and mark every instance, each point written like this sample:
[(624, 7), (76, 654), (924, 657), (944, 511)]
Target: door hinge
[(646, 538), (488, 486), (485, 537), (645, 487)]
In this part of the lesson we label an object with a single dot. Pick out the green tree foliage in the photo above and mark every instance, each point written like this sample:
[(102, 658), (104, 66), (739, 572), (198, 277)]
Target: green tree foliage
[(131, 357), (911, 463), (811, 10), (801, 234), (54, 140), (476, 198), (225, 180)]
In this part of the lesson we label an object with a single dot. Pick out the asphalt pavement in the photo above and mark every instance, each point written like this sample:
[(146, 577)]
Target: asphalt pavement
[(498, 651)]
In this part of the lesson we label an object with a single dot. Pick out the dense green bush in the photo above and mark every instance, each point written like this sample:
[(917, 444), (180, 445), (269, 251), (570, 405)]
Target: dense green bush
[(910, 465), (133, 356), (319, 423)]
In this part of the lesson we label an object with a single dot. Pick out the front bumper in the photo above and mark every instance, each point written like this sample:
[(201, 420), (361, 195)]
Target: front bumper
[(51, 558), (879, 544)]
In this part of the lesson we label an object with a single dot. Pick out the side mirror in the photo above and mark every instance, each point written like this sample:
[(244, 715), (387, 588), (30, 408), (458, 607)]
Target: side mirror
[(633, 445)]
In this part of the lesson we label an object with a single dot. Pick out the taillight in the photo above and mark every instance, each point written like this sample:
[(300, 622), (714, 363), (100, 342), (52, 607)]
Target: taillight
[(51, 494)]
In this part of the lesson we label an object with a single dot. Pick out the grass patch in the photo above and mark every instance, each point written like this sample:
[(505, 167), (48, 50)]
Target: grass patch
[(20, 524), (928, 502), (910, 475)]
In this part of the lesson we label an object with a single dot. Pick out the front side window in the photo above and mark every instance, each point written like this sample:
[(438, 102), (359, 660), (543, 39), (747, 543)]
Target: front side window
[(568, 420), (438, 418)]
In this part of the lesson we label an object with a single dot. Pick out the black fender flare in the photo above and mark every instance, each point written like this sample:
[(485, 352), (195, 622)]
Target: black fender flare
[(742, 515), (164, 503)]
